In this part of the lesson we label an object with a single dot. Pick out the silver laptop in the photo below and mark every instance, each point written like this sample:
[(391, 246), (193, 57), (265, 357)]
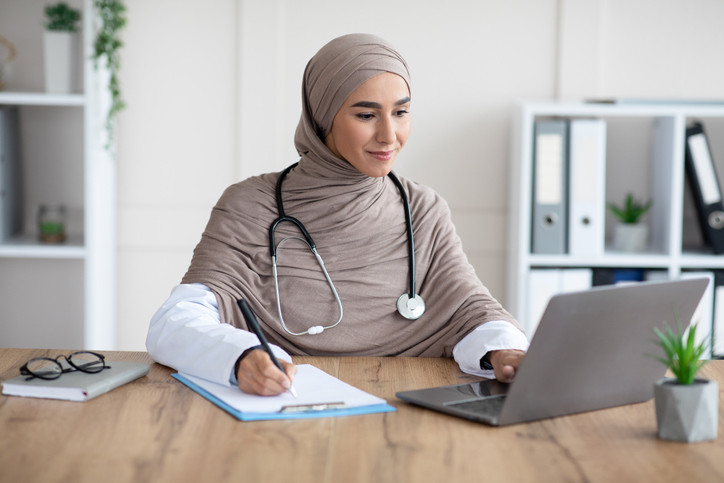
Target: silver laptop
[(592, 350)]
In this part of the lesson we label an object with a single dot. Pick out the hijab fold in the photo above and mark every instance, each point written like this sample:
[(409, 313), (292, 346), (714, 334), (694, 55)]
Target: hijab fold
[(358, 225)]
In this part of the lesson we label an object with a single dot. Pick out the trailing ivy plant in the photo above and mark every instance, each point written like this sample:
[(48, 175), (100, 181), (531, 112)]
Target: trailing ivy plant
[(108, 44)]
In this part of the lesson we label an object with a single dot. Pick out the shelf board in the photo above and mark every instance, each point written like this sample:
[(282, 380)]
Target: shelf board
[(563, 108), (701, 261), (41, 99), (609, 259), (27, 246)]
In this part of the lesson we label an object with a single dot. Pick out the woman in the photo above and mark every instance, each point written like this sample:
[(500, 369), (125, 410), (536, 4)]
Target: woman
[(355, 120)]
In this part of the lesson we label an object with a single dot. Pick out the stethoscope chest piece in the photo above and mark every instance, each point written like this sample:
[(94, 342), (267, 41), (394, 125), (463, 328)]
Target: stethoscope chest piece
[(410, 308)]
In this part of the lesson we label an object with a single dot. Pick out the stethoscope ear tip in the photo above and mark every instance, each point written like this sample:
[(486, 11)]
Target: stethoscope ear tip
[(410, 308)]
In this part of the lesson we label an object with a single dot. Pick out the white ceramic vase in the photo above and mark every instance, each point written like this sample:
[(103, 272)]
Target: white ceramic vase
[(687, 412), (61, 54), (630, 237)]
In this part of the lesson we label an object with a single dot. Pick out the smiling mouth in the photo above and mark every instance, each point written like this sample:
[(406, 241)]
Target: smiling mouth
[(382, 155)]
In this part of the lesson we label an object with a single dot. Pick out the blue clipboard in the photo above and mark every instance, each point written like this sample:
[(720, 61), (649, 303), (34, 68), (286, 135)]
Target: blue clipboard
[(319, 410)]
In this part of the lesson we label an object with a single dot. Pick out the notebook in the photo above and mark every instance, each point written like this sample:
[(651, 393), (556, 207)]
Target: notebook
[(592, 350), (77, 385)]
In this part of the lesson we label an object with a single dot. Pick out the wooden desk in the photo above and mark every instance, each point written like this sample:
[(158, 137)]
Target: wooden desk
[(155, 429)]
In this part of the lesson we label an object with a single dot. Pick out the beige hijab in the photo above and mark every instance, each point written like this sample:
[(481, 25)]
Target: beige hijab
[(358, 225)]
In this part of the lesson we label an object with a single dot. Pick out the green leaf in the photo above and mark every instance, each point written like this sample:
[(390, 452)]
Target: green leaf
[(631, 210), (683, 356)]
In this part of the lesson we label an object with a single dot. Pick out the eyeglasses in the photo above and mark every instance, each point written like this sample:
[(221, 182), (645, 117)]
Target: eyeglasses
[(48, 369)]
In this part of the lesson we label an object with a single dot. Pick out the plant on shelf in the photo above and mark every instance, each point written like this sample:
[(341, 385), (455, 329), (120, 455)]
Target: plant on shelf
[(107, 45), (61, 48), (630, 235), (631, 211), (61, 17), (686, 406)]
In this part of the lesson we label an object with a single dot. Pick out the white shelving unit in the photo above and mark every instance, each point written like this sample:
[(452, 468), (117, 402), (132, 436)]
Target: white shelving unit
[(59, 295), (645, 153)]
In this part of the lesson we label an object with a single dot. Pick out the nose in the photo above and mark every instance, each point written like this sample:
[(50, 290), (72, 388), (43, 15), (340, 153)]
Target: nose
[(386, 131)]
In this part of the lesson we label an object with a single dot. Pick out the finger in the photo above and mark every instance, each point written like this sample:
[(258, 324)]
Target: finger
[(258, 375), (290, 369), (506, 374), (260, 385), (273, 378), (505, 364)]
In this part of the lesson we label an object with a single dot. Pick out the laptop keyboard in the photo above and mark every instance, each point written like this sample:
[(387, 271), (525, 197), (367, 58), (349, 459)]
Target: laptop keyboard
[(488, 406)]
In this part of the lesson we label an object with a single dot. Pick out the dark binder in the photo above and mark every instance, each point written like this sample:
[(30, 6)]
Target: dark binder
[(10, 182), (549, 228), (705, 187)]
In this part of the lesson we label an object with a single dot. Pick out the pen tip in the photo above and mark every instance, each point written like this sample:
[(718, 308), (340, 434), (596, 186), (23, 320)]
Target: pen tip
[(293, 392)]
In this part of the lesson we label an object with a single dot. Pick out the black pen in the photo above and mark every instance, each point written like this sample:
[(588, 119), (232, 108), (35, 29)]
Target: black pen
[(254, 324)]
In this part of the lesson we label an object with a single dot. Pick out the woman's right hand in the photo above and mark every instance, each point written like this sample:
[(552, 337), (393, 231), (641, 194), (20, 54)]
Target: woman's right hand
[(257, 374)]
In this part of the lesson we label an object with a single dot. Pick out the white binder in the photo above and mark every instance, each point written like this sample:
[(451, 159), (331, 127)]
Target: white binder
[(587, 187), (704, 314), (544, 283), (717, 348), (550, 184)]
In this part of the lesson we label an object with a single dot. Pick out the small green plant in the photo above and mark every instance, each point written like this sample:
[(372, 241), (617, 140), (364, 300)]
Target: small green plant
[(61, 18), (682, 353), (631, 210)]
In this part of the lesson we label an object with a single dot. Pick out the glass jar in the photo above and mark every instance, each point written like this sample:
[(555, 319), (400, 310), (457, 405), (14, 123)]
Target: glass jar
[(51, 223)]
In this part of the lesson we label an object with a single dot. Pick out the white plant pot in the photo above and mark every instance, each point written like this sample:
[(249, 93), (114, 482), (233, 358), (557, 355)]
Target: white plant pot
[(61, 54), (688, 412), (630, 237)]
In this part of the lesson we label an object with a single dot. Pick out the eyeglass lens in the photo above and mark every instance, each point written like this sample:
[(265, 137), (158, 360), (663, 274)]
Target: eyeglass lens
[(44, 368), (86, 361)]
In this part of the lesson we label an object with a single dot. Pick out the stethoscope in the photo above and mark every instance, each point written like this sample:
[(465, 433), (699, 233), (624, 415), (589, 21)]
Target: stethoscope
[(409, 305)]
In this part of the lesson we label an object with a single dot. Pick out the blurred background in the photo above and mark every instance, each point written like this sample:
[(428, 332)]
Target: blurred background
[(213, 93)]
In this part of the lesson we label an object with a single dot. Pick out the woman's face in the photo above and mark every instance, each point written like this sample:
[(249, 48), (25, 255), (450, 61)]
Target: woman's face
[(372, 125)]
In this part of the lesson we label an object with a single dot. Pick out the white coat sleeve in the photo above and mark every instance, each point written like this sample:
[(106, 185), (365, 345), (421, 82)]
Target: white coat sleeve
[(490, 336), (186, 333)]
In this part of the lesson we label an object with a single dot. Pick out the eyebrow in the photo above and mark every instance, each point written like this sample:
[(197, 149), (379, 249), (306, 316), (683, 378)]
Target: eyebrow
[(375, 105)]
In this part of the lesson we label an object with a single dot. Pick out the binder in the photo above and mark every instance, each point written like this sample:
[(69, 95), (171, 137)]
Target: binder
[(717, 345), (544, 283), (612, 276), (550, 183), (575, 279), (587, 187), (10, 216), (704, 314), (704, 184)]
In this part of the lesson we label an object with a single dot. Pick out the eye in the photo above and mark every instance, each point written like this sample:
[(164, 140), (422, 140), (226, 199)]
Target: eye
[(365, 116), (402, 112)]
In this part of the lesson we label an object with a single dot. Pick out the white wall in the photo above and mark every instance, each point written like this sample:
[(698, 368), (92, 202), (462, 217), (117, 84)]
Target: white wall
[(213, 93)]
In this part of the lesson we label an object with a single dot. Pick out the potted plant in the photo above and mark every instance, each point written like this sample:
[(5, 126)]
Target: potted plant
[(61, 43), (629, 234), (686, 406)]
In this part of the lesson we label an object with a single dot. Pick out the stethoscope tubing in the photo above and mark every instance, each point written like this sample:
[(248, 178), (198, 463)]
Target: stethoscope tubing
[(410, 237), (403, 305)]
